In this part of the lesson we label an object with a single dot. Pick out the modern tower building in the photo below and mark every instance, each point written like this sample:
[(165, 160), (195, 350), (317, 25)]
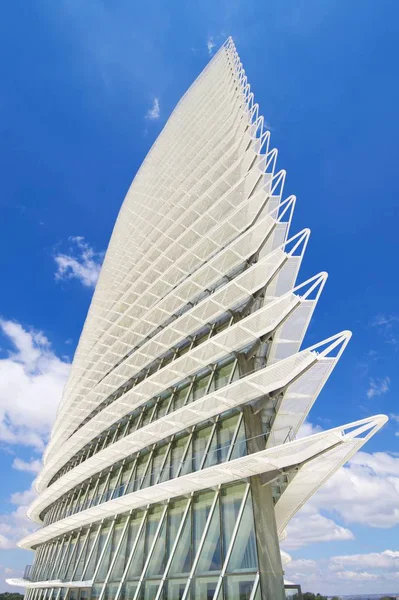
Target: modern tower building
[(174, 464)]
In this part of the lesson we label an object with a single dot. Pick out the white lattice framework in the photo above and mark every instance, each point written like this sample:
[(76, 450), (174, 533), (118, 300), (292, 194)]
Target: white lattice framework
[(200, 277)]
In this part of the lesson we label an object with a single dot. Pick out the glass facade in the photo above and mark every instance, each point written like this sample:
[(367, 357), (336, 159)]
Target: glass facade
[(187, 548)]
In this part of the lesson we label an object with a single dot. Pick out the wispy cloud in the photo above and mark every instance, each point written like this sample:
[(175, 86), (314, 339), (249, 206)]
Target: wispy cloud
[(378, 387), (210, 44), (385, 324), (32, 466), (81, 262), (154, 112)]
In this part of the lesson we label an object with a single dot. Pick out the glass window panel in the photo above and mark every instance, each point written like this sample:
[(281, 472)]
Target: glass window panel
[(95, 592), (84, 594), (147, 415), (110, 551), (95, 557), (177, 454), (146, 480), (182, 559), (150, 589), (157, 462), (240, 444), (188, 464), (179, 397), (239, 587), (244, 556), (211, 556), (175, 589), (128, 591), (199, 387), (212, 451), (83, 559), (139, 473), (158, 558), (110, 591), (225, 432), (120, 560), (75, 557), (201, 439), (222, 375), (162, 406), (73, 594), (205, 587), (231, 502), (137, 561)]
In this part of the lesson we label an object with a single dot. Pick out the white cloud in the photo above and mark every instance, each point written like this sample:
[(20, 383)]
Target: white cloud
[(348, 574), (32, 466), (16, 525), (154, 112), (308, 428), (364, 492), (82, 263), (309, 527), (32, 378), (210, 44), (378, 387)]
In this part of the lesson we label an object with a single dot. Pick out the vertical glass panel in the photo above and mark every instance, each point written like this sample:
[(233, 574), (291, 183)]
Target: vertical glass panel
[(128, 591), (239, 587), (182, 558), (121, 557), (150, 589), (157, 463), (240, 445), (95, 557), (179, 397), (201, 508), (201, 439), (211, 453), (222, 375), (146, 480), (95, 592), (199, 387), (231, 502), (137, 561), (110, 550), (162, 406), (226, 430), (174, 589), (205, 587), (244, 555), (140, 469), (84, 594), (74, 559), (211, 556), (110, 591), (158, 558), (187, 465), (177, 454), (84, 556)]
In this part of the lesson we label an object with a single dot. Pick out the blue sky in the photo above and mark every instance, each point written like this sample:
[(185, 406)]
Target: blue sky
[(85, 89)]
